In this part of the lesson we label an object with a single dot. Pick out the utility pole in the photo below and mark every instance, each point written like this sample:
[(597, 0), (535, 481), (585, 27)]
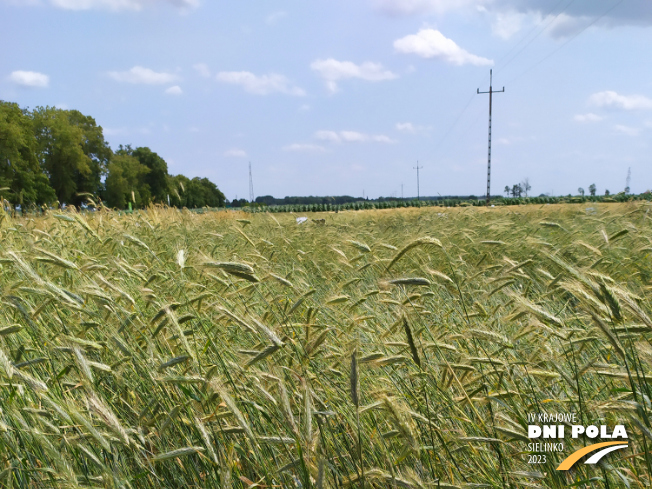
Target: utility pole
[(417, 168), (629, 179), (251, 185), (490, 92)]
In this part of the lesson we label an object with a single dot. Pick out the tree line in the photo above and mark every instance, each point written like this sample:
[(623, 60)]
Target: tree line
[(268, 200), (52, 156), (446, 202), (296, 200)]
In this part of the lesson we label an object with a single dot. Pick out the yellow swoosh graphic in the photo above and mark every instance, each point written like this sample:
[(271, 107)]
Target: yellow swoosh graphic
[(575, 456)]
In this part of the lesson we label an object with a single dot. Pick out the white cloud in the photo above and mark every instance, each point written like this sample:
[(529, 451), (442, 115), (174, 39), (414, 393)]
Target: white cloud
[(576, 15), (308, 148), (405, 127), (143, 76), (383, 139), (408, 7), (564, 25), (260, 85), (627, 130), (202, 69), (117, 5), (590, 117), (275, 17), (330, 136), (408, 127), (235, 153), (333, 71), (506, 24), (32, 79), (174, 90), (612, 100), (430, 43), (352, 137), (115, 131)]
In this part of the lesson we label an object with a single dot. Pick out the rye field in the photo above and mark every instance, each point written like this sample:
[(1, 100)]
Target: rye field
[(382, 349)]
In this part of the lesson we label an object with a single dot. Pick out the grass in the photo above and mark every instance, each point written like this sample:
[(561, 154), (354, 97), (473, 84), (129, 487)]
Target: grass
[(393, 348)]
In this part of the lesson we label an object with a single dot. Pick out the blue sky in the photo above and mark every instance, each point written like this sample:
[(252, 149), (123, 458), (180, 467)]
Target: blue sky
[(340, 97)]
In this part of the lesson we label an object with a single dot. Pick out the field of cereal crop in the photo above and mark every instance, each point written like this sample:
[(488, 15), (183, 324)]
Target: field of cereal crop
[(396, 348)]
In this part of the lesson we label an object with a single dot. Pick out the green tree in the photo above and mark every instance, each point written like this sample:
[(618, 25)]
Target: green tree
[(203, 192), (592, 189), (72, 152), (195, 193), (123, 183), (178, 185), (20, 172), (95, 148), (157, 178)]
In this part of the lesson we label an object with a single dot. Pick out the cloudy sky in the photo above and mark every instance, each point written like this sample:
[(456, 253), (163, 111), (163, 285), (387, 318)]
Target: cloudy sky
[(345, 96)]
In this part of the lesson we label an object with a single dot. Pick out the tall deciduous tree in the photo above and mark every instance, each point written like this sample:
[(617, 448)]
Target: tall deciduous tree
[(95, 148), (156, 179), (51, 154), (203, 192), (20, 172), (123, 183), (71, 151), (195, 193)]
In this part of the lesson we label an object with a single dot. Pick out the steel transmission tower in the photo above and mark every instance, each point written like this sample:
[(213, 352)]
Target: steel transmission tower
[(417, 168), (251, 185), (490, 92)]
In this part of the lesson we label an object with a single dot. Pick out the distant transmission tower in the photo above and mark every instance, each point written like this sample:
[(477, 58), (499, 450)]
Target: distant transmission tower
[(417, 168), (490, 92), (629, 179), (251, 185)]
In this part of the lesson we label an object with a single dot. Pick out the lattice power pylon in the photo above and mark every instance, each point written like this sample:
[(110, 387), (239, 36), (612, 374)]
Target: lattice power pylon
[(251, 185)]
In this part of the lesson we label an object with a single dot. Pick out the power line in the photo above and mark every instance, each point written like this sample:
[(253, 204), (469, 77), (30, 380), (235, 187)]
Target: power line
[(467, 105), (464, 129), (538, 33), (490, 92), (529, 32), (509, 61), (567, 41), (448, 131)]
